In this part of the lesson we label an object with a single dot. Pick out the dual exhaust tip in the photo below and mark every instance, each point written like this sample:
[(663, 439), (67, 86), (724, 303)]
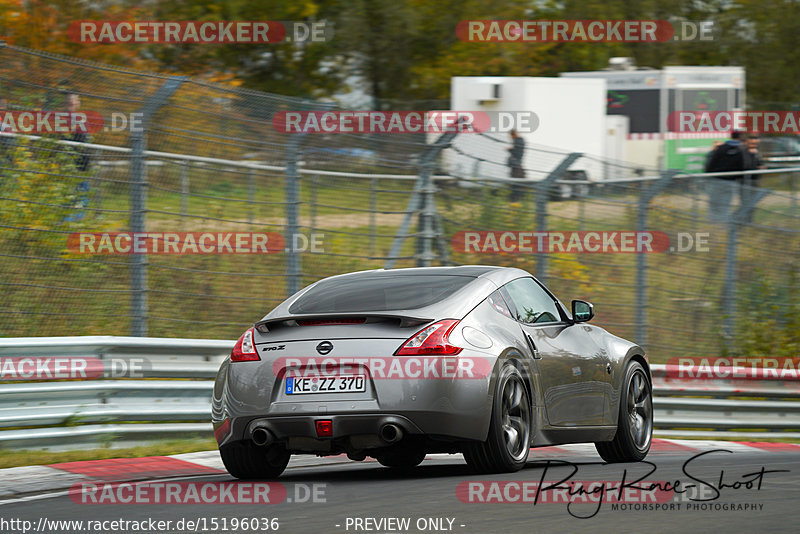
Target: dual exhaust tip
[(262, 437), (390, 433)]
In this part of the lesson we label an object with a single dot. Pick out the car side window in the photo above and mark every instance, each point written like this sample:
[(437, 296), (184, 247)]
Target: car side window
[(533, 304), (497, 302)]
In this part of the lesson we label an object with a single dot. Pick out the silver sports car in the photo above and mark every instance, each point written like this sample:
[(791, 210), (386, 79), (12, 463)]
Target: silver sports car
[(394, 364)]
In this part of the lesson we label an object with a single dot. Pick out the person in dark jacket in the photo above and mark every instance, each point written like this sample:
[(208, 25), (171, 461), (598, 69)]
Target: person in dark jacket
[(82, 160), (515, 153), (750, 182), (727, 157)]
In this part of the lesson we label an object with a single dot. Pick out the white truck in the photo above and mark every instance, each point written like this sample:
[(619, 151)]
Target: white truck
[(571, 118)]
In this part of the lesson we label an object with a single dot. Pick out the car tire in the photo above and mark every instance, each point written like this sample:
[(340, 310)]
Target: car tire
[(402, 459), (508, 444), (245, 460), (634, 434)]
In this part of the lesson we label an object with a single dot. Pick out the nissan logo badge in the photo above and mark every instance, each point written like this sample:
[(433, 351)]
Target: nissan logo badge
[(325, 347)]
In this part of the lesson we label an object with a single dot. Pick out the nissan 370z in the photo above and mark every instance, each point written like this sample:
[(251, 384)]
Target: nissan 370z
[(395, 364)]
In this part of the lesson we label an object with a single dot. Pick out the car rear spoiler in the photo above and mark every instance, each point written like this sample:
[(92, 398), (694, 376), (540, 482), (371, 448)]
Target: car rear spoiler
[(403, 320)]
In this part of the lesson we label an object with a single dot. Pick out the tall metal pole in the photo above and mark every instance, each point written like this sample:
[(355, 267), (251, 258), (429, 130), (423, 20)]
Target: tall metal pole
[(422, 201), (292, 224), (138, 194)]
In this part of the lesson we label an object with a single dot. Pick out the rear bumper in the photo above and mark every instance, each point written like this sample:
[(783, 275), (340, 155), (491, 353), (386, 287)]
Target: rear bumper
[(362, 430)]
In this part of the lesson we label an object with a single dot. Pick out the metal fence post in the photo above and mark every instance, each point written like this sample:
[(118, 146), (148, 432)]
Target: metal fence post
[(373, 208), (425, 231), (251, 194), (422, 200), (648, 194), (543, 188), (313, 200), (138, 193), (184, 191), (292, 224)]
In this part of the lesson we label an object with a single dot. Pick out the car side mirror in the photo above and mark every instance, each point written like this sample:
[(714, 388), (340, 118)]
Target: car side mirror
[(582, 311)]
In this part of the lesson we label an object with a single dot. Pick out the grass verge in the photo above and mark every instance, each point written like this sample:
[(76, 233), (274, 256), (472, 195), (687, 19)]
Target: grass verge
[(166, 448)]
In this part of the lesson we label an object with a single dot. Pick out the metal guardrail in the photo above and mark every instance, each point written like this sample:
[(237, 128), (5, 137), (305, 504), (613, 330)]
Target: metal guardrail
[(170, 397)]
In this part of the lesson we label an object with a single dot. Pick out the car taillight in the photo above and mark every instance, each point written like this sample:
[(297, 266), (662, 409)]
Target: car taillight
[(245, 349), (431, 340)]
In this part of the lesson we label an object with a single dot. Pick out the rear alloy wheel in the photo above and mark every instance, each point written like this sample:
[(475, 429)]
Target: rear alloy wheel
[(245, 460), (508, 444), (402, 459), (635, 425)]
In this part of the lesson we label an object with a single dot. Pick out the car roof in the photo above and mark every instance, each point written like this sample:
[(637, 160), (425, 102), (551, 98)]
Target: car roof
[(486, 279)]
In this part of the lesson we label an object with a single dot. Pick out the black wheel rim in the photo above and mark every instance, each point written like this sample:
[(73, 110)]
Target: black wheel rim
[(640, 410), (516, 419)]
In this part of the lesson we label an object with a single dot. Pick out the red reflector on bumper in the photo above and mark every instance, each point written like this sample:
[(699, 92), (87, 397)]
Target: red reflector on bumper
[(325, 428)]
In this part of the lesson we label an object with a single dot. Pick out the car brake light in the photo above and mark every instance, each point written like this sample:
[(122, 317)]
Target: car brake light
[(431, 340), (245, 348), (337, 320), (324, 428)]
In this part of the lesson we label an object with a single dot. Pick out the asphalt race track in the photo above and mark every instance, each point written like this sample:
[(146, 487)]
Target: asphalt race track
[(362, 497)]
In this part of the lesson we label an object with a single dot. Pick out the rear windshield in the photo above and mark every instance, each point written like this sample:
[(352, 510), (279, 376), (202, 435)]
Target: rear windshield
[(378, 293)]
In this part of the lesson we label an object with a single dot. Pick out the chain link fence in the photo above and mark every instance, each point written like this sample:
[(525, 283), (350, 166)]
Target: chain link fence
[(208, 160)]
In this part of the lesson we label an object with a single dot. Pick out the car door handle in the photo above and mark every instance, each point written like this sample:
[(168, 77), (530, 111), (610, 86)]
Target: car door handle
[(532, 346)]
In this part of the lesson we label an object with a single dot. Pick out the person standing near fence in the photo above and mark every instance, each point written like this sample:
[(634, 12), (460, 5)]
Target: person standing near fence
[(750, 182), (515, 154), (727, 157), (73, 101)]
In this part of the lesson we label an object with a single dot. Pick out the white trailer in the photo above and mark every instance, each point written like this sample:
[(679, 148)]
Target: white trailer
[(572, 118)]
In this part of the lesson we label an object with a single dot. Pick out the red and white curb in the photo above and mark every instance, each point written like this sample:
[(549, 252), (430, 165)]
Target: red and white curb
[(18, 481)]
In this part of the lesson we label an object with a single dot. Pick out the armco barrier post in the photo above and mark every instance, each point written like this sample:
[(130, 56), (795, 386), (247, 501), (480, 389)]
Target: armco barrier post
[(139, 202)]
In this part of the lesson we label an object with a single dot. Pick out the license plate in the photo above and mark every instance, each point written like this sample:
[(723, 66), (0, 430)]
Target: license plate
[(296, 385)]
